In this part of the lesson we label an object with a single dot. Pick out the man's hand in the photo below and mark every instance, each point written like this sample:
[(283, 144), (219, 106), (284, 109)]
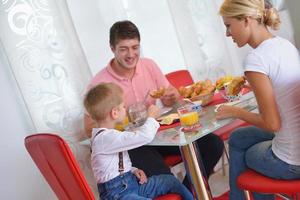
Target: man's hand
[(170, 96), (140, 174)]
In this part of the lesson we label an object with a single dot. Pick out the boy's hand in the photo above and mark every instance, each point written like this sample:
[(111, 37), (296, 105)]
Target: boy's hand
[(153, 111), (140, 174)]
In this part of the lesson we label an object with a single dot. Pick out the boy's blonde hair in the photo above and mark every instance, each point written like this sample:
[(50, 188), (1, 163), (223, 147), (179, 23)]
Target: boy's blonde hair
[(261, 10), (101, 99)]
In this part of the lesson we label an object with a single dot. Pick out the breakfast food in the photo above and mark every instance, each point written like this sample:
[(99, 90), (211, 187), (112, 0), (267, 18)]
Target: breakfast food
[(220, 83), (157, 93), (197, 89), (169, 119), (235, 86)]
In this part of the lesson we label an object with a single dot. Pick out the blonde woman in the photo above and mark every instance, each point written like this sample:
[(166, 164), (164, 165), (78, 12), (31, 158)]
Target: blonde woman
[(272, 68)]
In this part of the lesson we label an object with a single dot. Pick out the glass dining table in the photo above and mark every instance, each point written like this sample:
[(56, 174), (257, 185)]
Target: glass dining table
[(173, 136), (188, 147)]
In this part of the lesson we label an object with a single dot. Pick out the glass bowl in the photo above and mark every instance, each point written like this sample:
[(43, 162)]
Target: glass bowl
[(230, 98)]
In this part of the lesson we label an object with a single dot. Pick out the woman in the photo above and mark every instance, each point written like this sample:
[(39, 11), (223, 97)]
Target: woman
[(272, 68)]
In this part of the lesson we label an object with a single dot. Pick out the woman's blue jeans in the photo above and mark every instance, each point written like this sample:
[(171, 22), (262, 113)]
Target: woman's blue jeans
[(251, 147), (126, 186)]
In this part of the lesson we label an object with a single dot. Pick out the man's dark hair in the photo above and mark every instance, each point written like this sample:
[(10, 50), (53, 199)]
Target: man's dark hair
[(123, 30)]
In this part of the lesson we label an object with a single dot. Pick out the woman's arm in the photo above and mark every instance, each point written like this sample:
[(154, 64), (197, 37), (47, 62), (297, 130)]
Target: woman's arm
[(268, 117)]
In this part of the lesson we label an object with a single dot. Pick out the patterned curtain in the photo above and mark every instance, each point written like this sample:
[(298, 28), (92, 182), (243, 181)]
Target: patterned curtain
[(202, 39), (49, 67)]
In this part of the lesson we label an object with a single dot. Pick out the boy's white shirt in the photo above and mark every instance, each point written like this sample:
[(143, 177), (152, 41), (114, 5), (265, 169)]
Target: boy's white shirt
[(106, 146)]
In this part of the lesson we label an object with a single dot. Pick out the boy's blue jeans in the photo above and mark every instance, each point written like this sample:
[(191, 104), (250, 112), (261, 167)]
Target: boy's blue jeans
[(126, 186), (251, 147)]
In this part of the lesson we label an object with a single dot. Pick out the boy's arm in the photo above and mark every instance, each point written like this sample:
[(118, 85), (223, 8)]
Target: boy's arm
[(113, 141)]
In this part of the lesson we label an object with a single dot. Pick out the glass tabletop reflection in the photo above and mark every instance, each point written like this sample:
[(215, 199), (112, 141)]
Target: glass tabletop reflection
[(209, 123)]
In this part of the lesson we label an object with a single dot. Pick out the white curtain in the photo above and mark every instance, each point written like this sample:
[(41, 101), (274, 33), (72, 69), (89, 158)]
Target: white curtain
[(51, 71)]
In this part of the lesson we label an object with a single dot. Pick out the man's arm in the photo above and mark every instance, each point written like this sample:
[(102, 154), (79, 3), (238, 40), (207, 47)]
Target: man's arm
[(89, 124)]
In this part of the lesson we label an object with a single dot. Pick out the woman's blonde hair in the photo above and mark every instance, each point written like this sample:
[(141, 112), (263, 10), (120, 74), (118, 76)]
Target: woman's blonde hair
[(101, 99), (261, 10)]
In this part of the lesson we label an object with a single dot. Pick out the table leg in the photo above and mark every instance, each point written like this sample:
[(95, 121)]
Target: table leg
[(193, 165)]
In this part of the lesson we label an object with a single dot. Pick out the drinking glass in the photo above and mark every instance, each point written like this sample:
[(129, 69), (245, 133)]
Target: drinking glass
[(137, 114), (122, 125), (189, 117)]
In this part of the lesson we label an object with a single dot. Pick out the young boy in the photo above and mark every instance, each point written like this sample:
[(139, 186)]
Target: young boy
[(116, 177)]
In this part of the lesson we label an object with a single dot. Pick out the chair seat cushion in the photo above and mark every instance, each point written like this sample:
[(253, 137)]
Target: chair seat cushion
[(172, 160), (256, 182), (169, 197)]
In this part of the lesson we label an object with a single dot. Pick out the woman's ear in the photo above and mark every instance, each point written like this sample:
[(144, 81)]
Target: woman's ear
[(247, 21)]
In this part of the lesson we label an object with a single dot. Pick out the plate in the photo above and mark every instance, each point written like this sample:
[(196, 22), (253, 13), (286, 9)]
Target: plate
[(164, 110), (168, 119)]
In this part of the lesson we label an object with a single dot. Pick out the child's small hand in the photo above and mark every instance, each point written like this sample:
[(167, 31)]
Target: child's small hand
[(140, 174), (153, 111)]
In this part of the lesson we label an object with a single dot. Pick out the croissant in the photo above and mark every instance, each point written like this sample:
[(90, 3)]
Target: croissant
[(157, 93), (235, 86)]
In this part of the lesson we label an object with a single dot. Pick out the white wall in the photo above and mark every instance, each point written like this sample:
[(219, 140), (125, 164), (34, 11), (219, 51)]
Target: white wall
[(93, 19), (293, 6)]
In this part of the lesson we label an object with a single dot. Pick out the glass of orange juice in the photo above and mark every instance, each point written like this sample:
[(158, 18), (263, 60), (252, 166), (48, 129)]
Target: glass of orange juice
[(189, 118), (121, 126)]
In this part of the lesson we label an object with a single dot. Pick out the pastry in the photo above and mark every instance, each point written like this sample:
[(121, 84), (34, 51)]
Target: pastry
[(157, 93), (235, 86)]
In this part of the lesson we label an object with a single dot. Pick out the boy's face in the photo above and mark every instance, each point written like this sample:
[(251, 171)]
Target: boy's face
[(121, 112), (127, 52)]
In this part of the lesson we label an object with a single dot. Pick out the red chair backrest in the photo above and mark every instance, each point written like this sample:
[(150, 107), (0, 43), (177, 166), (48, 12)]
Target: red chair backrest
[(180, 78), (56, 162)]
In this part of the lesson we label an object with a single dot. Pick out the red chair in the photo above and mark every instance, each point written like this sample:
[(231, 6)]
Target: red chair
[(251, 181), (180, 78), (56, 162), (58, 165)]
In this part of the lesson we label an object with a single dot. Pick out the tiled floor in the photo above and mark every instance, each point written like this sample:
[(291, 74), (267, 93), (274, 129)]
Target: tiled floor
[(219, 183)]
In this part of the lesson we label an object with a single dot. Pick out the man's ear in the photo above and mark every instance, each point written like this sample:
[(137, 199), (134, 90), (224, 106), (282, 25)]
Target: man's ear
[(112, 48)]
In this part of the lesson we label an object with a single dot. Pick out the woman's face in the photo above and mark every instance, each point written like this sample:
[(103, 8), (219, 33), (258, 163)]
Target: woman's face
[(237, 29)]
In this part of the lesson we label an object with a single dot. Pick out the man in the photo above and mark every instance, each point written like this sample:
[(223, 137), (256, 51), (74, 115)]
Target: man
[(137, 76)]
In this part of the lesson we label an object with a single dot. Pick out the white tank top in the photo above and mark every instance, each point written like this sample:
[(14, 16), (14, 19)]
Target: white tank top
[(280, 61)]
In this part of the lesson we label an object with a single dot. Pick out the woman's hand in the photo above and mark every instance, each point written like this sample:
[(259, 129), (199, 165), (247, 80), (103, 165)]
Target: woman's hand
[(140, 174), (224, 112)]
